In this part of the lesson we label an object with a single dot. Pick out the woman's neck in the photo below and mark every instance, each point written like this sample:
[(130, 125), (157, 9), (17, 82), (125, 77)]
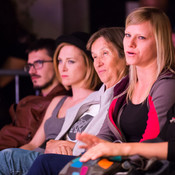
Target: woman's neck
[(147, 75), (80, 93), (146, 78)]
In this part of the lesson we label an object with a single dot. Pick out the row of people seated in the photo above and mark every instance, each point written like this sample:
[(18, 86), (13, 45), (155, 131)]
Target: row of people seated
[(27, 115), (149, 52), (63, 111), (139, 97)]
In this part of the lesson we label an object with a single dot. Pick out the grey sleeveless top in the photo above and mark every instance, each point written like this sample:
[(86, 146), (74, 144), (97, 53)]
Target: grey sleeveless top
[(52, 125)]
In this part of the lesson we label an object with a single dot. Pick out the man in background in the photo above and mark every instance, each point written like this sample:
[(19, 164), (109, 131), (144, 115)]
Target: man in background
[(29, 112)]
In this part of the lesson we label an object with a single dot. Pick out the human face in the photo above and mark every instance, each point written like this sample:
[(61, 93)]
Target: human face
[(71, 66), (140, 45), (106, 61), (44, 77)]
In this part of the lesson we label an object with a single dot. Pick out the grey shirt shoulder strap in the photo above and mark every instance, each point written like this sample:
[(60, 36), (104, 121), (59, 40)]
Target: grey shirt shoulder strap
[(58, 106)]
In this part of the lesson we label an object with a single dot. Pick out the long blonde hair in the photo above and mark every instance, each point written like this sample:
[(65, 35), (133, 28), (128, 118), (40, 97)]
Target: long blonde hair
[(162, 32)]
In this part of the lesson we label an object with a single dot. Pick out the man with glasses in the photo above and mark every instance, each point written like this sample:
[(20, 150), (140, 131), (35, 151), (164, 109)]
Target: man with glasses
[(28, 113)]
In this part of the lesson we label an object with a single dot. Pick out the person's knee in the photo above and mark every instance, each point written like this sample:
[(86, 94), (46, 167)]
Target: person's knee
[(6, 152), (9, 154), (41, 158)]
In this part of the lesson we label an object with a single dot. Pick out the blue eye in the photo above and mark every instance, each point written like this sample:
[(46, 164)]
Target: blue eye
[(71, 61), (127, 35), (38, 64), (141, 37)]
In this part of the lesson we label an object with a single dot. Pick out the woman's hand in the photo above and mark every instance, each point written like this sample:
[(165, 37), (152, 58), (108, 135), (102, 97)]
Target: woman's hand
[(95, 147), (59, 147), (102, 149), (89, 140)]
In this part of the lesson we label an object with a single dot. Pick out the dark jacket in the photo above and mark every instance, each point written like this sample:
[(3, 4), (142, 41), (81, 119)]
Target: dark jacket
[(27, 117), (168, 134)]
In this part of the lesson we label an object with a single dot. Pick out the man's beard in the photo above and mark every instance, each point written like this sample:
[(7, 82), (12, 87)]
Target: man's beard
[(46, 85)]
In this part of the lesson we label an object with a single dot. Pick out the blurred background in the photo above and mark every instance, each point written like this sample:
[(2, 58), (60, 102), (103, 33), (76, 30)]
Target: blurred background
[(23, 21), (50, 18)]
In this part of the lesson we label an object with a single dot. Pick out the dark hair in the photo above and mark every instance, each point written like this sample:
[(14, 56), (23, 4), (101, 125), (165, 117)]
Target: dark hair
[(43, 43), (78, 39)]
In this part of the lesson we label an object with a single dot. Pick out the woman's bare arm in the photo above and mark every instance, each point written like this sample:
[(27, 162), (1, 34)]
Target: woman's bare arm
[(39, 137), (104, 148)]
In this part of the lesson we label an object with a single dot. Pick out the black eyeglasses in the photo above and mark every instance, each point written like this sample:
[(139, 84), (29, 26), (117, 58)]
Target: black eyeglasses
[(36, 65)]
